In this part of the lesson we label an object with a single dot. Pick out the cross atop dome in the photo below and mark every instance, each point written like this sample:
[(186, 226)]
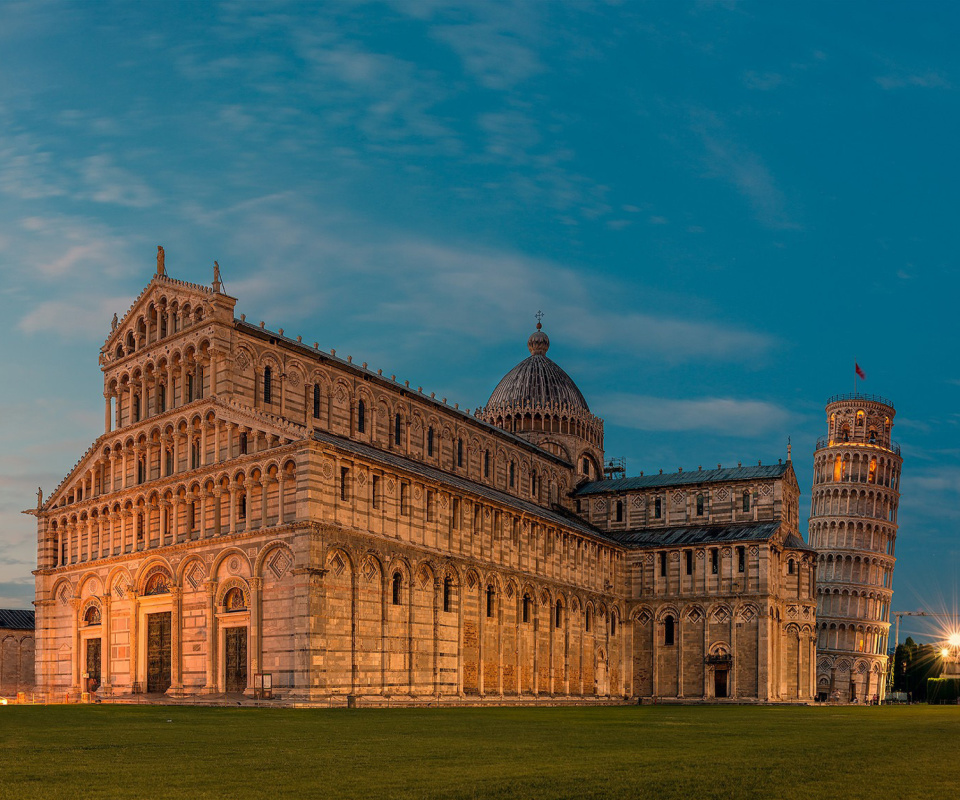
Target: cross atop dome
[(539, 316)]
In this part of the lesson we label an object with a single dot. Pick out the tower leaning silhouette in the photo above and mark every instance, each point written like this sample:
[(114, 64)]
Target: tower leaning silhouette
[(853, 526)]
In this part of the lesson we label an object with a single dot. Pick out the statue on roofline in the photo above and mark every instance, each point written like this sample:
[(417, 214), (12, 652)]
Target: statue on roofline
[(216, 277), (161, 268), (39, 498)]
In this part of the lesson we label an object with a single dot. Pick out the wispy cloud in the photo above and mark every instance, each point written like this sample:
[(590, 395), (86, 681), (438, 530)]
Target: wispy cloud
[(762, 81), (108, 183), (726, 158), (926, 80), (725, 416), (457, 289)]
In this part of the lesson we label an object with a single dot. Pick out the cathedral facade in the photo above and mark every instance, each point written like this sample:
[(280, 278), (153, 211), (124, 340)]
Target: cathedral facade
[(260, 515)]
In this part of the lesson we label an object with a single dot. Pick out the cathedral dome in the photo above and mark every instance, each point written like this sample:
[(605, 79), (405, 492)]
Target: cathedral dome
[(537, 382)]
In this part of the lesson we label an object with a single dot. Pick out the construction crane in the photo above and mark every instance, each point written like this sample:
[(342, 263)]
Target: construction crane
[(899, 614)]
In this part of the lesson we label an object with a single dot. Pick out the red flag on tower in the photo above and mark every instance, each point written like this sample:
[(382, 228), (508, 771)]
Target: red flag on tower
[(860, 373)]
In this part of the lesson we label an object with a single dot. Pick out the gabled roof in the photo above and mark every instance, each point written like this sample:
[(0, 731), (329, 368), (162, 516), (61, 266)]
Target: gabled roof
[(17, 619), (159, 283), (728, 475), (556, 515), (698, 534)]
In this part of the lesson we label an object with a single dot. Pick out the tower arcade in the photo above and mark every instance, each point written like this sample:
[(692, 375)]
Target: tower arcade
[(853, 526)]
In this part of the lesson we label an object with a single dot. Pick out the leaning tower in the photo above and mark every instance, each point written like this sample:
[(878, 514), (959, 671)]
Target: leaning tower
[(853, 526)]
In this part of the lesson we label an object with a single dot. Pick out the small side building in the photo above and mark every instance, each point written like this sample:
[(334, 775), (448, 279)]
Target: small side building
[(16, 651), (721, 586)]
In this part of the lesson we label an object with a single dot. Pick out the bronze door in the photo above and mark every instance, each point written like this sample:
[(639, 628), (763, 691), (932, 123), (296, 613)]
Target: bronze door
[(158, 652), (93, 665), (236, 659)]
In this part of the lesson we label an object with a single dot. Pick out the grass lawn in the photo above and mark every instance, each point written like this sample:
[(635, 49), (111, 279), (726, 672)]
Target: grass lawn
[(629, 752)]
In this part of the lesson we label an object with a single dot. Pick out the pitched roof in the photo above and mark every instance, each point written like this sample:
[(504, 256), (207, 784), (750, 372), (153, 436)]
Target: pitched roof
[(697, 534), (729, 474), (17, 619), (556, 515)]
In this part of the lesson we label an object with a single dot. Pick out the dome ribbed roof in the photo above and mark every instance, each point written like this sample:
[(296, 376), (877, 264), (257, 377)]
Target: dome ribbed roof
[(537, 382)]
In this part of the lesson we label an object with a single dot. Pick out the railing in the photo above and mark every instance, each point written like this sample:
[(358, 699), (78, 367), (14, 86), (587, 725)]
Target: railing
[(872, 398), (825, 441)]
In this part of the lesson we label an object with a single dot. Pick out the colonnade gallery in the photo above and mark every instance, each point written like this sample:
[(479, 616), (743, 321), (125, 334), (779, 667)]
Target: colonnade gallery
[(261, 513)]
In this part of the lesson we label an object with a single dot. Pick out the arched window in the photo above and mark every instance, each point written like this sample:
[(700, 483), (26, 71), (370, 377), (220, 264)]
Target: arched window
[(513, 473), (189, 386), (746, 501), (136, 408), (397, 429), (588, 620), (234, 600), (533, 483), (92, 616), (657, 508), (525, 608), (397, 587), (267, 385), (619, 510), (361, 417), (141, 470), (316, 401), (459, 452), (790, 567), (668, 630), (558, 615), (243, 443), (430, 441), (486, 463), (491, 596), (242, 510), (586, 467), (161, 398), (699, 505), (613, 624), (447, 593)]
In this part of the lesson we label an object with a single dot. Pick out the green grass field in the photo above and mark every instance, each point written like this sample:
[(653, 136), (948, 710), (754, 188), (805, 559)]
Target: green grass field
[(629, 752)]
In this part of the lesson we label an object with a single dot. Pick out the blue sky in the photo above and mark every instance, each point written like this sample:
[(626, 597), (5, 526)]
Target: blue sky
[(717, 206)]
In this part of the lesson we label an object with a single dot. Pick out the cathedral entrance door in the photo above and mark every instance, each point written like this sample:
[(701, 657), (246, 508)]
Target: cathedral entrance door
[(93, 665), (720, 682), (158, 652), (236, 659)]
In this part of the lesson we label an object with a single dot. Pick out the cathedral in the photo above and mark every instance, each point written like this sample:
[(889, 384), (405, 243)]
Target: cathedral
[(261, 517)]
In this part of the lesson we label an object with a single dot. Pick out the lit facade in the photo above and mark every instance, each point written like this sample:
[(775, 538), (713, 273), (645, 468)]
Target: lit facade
[(853, 526), (256, 506)]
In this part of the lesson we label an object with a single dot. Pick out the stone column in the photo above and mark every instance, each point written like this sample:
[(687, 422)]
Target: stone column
[(106, 412), (106, 650), (232, 488), (144, 404), (162, 533), (256, 585), (263, 501), (203, 444), (134, 637), (177, 505), (212, 368), (210, 682), (216, 441), (281, 482), (99, 550), (123, 475), (171, 393), (679, 640), (217, 509), (176, 643), (75, 650)]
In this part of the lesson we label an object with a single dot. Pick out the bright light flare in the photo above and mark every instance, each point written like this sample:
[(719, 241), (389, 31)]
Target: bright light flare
[(944, 652), (954, 640)]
